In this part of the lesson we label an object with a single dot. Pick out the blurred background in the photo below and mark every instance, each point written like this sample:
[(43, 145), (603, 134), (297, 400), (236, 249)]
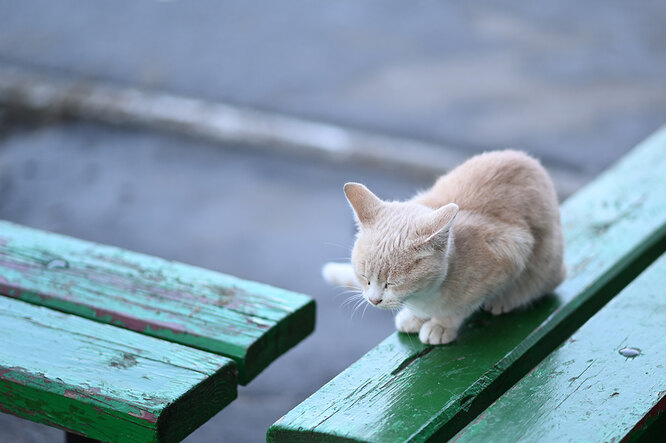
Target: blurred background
[(220, 133)]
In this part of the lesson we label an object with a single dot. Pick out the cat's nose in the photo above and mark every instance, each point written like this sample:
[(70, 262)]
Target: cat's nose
[(375, 301)]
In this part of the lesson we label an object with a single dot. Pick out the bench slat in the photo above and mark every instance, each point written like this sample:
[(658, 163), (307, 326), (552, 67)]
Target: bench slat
[(249, 322), (105, 382), (586, 389), (402, 390)]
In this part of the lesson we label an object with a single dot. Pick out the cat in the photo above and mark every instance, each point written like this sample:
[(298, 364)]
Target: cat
[(487, 234)]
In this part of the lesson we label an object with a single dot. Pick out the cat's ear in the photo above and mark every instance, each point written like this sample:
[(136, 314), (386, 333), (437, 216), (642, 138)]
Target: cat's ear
[(437, 226), (364, 203)]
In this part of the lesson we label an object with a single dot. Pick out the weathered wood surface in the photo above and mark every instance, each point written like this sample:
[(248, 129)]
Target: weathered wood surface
[(248, 322), (606, 383), (105, 382), (404, 391)]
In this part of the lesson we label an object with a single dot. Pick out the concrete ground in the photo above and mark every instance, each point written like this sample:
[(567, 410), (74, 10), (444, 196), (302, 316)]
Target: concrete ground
[(575, 84)]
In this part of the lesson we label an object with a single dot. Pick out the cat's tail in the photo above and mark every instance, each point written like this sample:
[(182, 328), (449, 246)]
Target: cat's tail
[(340, 274)]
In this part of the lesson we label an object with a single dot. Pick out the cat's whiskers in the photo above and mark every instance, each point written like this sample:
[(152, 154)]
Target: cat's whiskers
[(352, 292), (355, 296), (363, 313), (360, 303), (352, 299), (337, 245), (349, 291)]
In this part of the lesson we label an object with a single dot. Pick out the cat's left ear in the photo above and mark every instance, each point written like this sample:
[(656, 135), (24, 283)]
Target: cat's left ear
[(437, 227), (365, 204)]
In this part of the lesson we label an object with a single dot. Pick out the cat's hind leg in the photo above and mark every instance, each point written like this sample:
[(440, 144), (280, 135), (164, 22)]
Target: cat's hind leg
[(340, 274), (533, 283), (527, 288), (517, 294), (407, 321), (499, 306), (513, 282)]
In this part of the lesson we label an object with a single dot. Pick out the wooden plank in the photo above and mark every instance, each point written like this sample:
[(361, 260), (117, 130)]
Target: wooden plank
[(248, 322), (587, 389), (402, 390), (105, 382)]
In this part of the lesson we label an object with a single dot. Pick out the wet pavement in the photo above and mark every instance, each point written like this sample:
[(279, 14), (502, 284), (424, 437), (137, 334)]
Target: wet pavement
[(575, 84)]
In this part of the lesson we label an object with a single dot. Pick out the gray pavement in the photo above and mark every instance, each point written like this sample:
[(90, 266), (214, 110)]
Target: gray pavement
[(577, 84)]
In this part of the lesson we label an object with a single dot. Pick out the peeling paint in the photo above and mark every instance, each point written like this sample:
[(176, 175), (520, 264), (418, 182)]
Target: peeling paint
[(173, 301), (88, 377), (145, 415), (123, 362)]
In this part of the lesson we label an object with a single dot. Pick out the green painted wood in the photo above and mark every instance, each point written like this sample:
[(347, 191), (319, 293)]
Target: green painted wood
[(405, 391), (586, 389), (248, 322), (105, 382)]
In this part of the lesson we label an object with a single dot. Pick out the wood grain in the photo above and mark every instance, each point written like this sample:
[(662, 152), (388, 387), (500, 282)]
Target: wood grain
[(105, 382), (404, 391), (587, 389), (248, 322)]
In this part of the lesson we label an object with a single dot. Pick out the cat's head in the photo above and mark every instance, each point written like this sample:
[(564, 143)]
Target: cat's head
[(401, 249)]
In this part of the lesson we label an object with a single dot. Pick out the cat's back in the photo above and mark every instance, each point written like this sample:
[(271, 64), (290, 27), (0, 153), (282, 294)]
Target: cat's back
[(495, 183)]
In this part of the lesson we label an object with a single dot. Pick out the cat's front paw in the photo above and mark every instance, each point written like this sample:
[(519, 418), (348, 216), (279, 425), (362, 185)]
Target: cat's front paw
[(407, 322), (434, 333)]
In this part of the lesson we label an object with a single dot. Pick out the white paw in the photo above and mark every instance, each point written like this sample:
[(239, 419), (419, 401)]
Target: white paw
[(433, 333), (497, 306), (340, 274), (407, 322)]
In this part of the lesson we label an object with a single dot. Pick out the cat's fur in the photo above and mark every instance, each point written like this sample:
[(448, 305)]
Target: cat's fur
[(486, 234)]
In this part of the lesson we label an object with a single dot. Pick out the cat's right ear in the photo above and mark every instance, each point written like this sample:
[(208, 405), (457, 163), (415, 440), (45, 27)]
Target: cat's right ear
[(364, 203), (437, 226)]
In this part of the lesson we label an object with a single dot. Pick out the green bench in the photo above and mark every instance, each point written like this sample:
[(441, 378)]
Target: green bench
[(119, 346), (604, 383), (585, 388)]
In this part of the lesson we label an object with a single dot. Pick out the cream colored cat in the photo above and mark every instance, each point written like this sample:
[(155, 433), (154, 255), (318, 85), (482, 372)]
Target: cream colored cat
[(486, 234)]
